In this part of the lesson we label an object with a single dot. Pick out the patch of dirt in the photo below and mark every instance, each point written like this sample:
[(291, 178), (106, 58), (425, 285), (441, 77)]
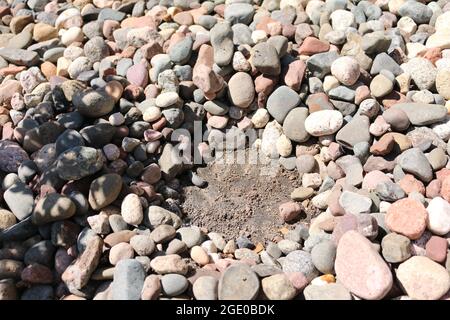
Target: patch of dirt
[(241, 200)]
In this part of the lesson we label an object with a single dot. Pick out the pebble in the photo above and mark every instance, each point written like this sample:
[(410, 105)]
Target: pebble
[(423, 279), (346, 70), (438, 216), (53, 207), (238, 282), (129, 276), (329, 291), (278, 287), (323, 122), (356, 265), (97, 104), (173, 284), (407, 217), (79, 162), (205, 288), (281, 102), (131, 209), (104, 190)]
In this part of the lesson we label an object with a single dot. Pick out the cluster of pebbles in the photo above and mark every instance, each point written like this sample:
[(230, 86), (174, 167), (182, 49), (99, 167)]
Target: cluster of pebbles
[(354, 95)]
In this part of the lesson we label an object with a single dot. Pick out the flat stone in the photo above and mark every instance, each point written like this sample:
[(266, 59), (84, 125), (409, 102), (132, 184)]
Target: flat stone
[(20, 200), (238, 282), (360, 268), (415, 162), (281, 102), (52, 207), (421, 114), (19, 56), (104, 190), (129, 276), (423, 279), (329, 291)]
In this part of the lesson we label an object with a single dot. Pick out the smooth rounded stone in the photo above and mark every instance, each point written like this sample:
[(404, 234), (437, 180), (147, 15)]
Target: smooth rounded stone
[(438, 216), (443, 83), (422, 72), (131, 209), (239, 13), (293, 125), (281, 102), (53, 207), (205, 288), (104, 190), (346, 70), (360, 268), (192, 236), (120, 251), (166, 99), (323, 256), (423, 279), (299, 261), (395, 248), (98, 134), (129, 276), (171, 263), (278, 287), (79, 162), (163, 233), (329, 291), (93, 103), (324, 122), (265, 59), (241, 89), (355, 203), (173, 284), (381, 86), (437, 158), (67, 140), (20, 200), (301, 193), (407, 217), (181, 51), (415, 162), (397, 119), (221, 36), (11, 156), (216, 107), (238, 282), (7, 219), (421, 114), (417, 11), (151, 288)]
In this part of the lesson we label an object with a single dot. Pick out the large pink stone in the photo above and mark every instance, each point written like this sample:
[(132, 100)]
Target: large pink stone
[(360, 268)]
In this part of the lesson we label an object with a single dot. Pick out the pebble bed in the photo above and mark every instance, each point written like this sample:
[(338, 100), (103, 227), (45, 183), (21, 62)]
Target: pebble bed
[(352, 95)]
